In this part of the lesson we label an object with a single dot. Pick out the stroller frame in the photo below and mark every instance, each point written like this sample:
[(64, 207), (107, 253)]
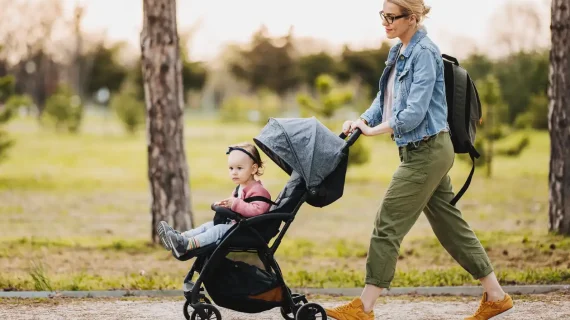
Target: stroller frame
[(293, 306), (266, 255)]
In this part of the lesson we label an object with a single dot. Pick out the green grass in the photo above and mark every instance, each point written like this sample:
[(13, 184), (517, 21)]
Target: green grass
[(38, 280), (75, 213), (453, 276)]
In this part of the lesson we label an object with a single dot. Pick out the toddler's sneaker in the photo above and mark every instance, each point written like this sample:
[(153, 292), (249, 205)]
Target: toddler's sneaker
[(162, 228), (178, 243)]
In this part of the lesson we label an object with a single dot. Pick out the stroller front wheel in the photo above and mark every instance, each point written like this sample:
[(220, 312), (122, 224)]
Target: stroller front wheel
[(311, 311), (206, 312), (188, 309)]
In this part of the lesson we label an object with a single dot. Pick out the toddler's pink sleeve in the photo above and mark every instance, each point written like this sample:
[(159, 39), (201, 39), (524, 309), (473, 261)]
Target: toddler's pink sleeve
[(253, 208)]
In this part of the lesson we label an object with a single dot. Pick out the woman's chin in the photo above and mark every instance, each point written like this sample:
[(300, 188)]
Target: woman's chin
[(390, 35)]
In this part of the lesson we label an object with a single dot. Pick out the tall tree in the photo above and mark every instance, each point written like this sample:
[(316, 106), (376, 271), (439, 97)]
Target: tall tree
[(268, 63), (367, 64), (162, 77), (517, 91), (559, 118), (313, 65), (103, 69)]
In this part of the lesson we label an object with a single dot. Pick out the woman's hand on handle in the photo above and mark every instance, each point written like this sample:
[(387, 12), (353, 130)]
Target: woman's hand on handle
[(347, 127), (350, 126), (364, 128)]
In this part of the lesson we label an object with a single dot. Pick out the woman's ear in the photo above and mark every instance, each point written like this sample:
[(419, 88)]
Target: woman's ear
[(413, 18)]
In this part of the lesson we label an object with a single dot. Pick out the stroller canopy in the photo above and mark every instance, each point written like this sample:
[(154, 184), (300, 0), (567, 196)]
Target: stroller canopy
[(303, 145)]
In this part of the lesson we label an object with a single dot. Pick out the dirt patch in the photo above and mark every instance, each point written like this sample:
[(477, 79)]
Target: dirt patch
[(551, 307)]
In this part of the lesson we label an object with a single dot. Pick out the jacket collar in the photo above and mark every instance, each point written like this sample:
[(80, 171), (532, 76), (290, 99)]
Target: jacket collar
[(416, 38)]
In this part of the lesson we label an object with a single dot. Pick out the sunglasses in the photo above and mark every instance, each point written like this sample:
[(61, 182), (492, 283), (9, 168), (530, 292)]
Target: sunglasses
[(391, 18)]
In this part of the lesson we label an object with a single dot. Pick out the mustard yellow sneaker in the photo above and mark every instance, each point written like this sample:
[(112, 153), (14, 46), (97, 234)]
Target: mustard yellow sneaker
[(351, 311), (492, 309)]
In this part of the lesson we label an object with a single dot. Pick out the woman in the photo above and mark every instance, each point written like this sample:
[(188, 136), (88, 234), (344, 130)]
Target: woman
[(411, 106)]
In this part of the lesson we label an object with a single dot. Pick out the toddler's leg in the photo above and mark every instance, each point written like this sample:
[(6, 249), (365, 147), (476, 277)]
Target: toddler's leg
[(196, 231), (180, 244), (210, 236), (162, 229)]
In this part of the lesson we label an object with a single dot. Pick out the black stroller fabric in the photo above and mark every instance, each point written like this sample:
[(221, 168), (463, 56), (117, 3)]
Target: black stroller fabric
[(243, 287), (306, 146)]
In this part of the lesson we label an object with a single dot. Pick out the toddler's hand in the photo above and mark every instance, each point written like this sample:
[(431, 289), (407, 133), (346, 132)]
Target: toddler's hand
[(227, 202)]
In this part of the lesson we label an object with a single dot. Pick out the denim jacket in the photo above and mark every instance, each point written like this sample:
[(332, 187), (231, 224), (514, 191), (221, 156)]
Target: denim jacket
[(419, 108)]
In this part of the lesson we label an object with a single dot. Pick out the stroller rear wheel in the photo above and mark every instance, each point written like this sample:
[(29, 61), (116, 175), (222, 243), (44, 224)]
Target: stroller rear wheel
[(206, 312), (188, 310), (311, 311)]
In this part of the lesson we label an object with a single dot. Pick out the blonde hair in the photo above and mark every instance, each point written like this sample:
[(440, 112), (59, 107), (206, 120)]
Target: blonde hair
[(255, 153), (415, 7)]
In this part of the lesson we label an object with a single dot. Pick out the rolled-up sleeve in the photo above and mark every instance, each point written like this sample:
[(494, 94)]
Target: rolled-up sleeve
[(421, 90)]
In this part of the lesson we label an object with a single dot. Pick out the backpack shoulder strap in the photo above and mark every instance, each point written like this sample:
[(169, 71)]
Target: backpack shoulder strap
[(472, 154), (450, 58)]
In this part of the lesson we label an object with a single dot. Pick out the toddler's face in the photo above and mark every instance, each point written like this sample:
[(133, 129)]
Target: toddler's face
[(241, 167)]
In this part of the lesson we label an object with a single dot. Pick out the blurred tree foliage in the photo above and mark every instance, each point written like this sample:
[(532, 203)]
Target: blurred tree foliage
[(267, 63), (493, 127), (329, 100), (9, 102), (64, 111)]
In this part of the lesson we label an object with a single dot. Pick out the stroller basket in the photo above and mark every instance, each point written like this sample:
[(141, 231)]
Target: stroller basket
[(240, 286)]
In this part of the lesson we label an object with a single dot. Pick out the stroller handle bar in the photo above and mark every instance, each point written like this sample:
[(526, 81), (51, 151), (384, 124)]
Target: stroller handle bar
[(352, 137)]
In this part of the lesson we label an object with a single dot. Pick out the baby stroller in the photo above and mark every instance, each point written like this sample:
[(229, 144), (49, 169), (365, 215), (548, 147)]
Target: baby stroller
[(316, 161)]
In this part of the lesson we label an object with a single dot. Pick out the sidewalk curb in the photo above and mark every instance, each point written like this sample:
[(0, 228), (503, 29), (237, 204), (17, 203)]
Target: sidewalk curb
[(422, 291), (443, 291)]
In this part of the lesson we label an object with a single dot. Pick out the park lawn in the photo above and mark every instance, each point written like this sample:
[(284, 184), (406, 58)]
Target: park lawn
[(74, 212)]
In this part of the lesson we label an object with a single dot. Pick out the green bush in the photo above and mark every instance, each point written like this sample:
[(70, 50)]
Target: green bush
[(516, 148), (129, 110), (524, 121), (536, 116), (63, 111)]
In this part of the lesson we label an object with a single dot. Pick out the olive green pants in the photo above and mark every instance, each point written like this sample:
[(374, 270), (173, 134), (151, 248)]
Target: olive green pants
[(421, 183)]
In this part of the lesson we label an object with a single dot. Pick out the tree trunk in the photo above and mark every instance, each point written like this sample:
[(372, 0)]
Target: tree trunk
[(559, 118), (162, 76)]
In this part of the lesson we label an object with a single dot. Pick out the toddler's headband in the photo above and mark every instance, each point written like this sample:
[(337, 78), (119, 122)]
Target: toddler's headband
[(230, 149)]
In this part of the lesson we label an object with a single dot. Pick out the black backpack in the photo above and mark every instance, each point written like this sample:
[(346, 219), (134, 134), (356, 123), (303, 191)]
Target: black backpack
[(463, 113)]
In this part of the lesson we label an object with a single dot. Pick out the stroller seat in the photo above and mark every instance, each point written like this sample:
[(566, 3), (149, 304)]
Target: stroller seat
[(243, 238)]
